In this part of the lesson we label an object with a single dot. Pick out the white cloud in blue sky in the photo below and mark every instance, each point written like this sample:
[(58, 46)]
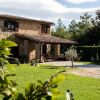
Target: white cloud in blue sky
[(49, 9), (81, 1)]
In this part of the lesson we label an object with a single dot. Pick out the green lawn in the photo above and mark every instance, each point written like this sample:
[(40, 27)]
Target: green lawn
[(83, 88)]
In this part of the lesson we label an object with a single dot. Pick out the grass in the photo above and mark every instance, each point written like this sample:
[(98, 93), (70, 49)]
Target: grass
[(83, 88), (85, 62)]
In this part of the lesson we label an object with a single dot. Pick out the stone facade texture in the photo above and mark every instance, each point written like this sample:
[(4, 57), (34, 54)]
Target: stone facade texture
[(28, 48), (27, 27)]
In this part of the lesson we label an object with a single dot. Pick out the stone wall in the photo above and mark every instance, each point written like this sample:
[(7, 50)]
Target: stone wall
[(4, 34), (26, 47), (25, 27), (28, 27)]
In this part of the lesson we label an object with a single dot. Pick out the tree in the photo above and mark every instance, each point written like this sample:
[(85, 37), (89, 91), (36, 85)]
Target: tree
[(73, 27), (96, 20), (6, 85), (80, 29), (60, 30), (93, 34), (71, 54), (86, 20), (5, 51)]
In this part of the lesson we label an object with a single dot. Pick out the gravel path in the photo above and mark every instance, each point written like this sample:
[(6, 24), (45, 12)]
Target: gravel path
[(90, 70)]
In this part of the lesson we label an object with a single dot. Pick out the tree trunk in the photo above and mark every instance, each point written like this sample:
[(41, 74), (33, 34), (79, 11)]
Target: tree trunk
[(72, 62)]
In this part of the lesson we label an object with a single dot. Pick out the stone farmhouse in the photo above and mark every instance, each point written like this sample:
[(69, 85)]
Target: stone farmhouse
[(32, 36)]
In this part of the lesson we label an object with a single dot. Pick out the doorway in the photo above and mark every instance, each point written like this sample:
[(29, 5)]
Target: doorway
[(15, 52), (44, 49)]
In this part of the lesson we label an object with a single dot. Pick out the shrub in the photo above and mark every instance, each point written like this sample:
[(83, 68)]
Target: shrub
[(71, 54)]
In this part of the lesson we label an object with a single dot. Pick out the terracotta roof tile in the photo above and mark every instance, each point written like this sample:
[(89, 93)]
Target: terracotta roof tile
[(46, 39), (23, 18)]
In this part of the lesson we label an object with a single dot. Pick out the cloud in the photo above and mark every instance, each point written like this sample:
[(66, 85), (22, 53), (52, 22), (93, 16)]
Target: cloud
[(81, 1), (42, 9), (50, 5)]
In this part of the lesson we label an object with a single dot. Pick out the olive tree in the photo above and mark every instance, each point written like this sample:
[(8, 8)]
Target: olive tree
[(71, 54)]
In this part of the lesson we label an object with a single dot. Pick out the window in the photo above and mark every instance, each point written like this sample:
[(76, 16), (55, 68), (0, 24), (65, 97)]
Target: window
[(44, 28), (10, 25)]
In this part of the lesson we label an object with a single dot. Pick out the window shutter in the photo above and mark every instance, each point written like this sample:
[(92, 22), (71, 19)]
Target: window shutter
[(44, 28)]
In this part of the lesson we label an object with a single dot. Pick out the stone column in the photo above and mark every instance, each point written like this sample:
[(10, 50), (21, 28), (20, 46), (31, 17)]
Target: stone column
[(48, 51), (38, 50), (1, 25), (32, 50), (26, 47), (41, 53), (57, 50)]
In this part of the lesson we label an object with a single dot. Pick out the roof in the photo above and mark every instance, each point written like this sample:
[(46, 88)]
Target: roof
[(23, 18), (46, 39)]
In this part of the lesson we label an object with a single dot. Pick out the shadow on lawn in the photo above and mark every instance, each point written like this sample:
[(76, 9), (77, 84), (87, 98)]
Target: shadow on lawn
[(49, 67), (11, 74)]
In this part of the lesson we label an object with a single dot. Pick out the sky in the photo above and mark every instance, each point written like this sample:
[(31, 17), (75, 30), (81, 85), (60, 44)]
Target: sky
[(50, 10)]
